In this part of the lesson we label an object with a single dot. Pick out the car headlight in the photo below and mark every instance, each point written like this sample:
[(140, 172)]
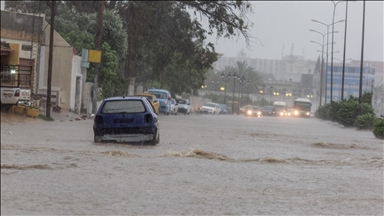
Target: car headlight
[(296, 112), (258, 113), (281, 113), (249, 112), (307, 113)]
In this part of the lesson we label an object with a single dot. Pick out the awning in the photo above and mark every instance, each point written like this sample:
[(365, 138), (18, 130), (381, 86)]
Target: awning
[(6, 49)]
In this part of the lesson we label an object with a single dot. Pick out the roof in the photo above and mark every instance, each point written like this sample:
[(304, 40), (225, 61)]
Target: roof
[(303, 100), (6, 49)]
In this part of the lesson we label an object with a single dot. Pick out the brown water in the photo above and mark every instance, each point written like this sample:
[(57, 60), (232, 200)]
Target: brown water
[(203, 165)]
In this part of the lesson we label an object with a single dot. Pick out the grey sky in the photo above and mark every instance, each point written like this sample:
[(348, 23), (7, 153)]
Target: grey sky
[(286, 23)]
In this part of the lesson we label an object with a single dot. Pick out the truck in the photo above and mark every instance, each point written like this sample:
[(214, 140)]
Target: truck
[(15, 85), (280, 108), (302, 107)]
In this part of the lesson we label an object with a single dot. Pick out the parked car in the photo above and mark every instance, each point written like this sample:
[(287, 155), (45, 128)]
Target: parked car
[(184, 106), (126, 119), (253, 111), (174, 107), (153, 99), (164, 97), (210, 108), (224, 109), (268, 111)]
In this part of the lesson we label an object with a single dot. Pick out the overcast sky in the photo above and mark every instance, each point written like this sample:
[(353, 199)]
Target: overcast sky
[(281, 24)]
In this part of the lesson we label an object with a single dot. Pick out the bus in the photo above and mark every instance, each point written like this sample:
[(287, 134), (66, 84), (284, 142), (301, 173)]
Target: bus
[(302, 107)]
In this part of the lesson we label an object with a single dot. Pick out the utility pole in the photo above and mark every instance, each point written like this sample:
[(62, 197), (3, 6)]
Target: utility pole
[(50, 58), (99, 34), (361, 64)]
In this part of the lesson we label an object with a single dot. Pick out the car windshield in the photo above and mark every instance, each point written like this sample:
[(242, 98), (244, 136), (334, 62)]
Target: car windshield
[(159, 95), (181, 101), (210, 105), (123, 106), (267, 108)]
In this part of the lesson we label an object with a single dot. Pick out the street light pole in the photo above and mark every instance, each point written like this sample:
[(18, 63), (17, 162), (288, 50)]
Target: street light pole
[(361, 63), (333, 21), (345, 41), (326, 69), (233, 95), (225, 79), (322, 60)]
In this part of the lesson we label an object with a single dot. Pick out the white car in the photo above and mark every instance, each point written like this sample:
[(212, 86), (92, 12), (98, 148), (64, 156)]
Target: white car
[(184, 106), (174, 107), (210, 108)]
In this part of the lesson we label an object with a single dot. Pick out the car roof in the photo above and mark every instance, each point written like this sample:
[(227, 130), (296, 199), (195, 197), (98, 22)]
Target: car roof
[(131, 97), (144, 94), (159, 90)]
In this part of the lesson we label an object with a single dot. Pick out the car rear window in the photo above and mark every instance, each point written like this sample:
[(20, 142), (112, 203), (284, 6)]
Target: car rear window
[(160, 95), (123, 106), (181, 101)]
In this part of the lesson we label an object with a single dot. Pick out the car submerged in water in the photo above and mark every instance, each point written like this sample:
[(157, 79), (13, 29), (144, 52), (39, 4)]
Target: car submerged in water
[(126, 119)]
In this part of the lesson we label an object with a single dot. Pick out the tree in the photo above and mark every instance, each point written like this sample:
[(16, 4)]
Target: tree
[(318, 65)]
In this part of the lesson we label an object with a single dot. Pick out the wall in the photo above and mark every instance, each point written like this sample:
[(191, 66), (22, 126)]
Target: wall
[(61, 69), (76, 72)]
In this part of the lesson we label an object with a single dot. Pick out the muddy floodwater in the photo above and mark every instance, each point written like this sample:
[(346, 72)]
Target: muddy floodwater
[(204, 165)]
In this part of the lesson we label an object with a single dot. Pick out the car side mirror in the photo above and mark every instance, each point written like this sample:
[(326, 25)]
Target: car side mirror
[(189, 104)]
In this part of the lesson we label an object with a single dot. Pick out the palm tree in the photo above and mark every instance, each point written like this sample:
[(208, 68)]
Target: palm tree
[(378, 92)]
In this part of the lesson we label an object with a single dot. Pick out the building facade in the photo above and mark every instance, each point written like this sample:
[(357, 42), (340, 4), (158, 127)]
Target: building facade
[(351, 81), (27, 37)]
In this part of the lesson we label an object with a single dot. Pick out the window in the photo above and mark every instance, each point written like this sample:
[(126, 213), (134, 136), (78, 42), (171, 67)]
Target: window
[(160, 95), (123, 106)]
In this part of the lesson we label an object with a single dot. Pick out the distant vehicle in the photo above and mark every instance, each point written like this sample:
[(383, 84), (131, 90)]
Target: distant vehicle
[(126, 119), (210, 108), (184, 106), (174, 107), (280, 108), (268, 111), (164, 97), (224, 109), (152, 98), (253, 111), (289, 112), (244, 108), (302, 107)]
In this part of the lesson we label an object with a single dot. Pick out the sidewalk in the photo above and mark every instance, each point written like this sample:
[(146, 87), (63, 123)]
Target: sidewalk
[(66, 116)]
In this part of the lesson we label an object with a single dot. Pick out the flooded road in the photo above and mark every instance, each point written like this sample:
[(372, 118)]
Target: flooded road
[(204, 165)]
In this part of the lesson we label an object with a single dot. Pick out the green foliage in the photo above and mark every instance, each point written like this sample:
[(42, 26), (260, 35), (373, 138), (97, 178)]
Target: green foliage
[(367, 97), (323, 112), (154, 40), (110, 80), (365, 121), (378, 129)]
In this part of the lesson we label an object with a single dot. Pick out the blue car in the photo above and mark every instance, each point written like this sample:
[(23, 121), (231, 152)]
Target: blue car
[(164, 98), (126, 119)]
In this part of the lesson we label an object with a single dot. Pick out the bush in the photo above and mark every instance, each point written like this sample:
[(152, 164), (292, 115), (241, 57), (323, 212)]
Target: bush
[(378, 129), (366, 121), (348, 112)]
